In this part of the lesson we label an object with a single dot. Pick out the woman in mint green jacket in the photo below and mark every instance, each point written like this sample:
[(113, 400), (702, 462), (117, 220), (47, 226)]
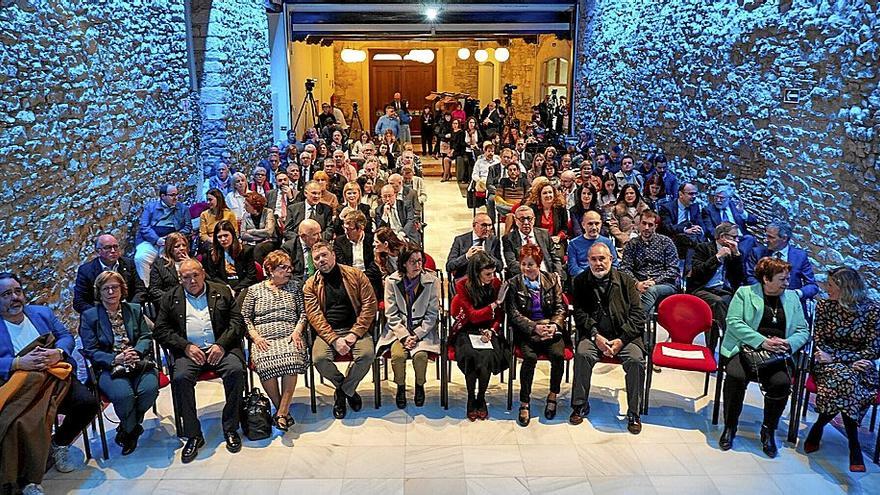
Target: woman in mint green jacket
[(763, 315)]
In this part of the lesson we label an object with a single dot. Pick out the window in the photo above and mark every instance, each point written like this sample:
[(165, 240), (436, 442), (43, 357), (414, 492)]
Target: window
[(555, 76)]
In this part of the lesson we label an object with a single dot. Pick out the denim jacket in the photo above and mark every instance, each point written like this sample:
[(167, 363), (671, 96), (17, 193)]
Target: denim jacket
[(156, 210)]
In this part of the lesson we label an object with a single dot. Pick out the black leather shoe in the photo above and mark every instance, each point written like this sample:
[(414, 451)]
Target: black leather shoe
[(633, 423), (339, 405), (768, 442), (550, 409), (233, 441), (419, 397), (400, 398), (191, 449), (355, 402), (725, 442), (121, 438), (131, 440), (578, 413)]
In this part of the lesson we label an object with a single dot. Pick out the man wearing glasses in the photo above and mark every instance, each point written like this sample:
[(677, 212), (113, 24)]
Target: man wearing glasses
[(160, 218), (718, 270), (526, 233), (466, 245), (109, 258)]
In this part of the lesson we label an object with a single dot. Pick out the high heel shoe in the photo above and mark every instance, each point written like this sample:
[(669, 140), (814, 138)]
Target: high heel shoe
[(811, 444)]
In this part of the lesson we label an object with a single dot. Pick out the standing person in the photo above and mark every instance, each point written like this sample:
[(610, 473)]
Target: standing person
[(847, 344), (476, 332), (341, 307), (537, 316), (405, 118), (761, 316), (412, 311), (116, 339), (274, 315), (427, 130), (443, 131)]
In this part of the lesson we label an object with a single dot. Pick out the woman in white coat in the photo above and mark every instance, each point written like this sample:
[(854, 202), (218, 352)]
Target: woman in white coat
[(412, 314)]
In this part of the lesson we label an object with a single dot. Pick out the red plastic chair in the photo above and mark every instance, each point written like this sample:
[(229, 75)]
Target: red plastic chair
[(196, 209), (684, 316), (429, 264)]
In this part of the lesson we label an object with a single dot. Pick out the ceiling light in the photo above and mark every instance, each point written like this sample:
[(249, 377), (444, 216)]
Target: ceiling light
[(464, 54), (481, 56), (431, 13), (350, 56), (502, 54)]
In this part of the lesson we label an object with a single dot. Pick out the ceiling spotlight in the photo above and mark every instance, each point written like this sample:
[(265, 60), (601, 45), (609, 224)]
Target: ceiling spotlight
[(431, 13), (464, 54), (502, 54), (481, 55)]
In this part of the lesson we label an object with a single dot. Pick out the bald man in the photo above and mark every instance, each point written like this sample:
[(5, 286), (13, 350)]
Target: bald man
[(579, 247), (610, 323), (300, 249), (108, 256), (397, 214)]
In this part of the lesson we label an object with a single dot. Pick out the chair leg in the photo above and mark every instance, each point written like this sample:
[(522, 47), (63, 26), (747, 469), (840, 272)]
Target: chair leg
[(716, 408), (377, 385), (103, 435), (385, 365), (649, 375), (706, 386), (567, 368), (794, 415), (87, 448), (804, 406), (510, 385), (873, 418), (312, 386)]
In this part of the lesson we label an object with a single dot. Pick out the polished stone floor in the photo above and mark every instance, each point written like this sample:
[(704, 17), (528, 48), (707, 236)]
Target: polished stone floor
[(434, 451)]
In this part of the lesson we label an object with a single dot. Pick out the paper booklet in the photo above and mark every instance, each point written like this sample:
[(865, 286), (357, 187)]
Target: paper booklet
[(678, 353), (477, 342)]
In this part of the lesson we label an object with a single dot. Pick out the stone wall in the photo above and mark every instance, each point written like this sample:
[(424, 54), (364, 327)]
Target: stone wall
[(704, 81), (231, 44), (520, 70), (95, 112)]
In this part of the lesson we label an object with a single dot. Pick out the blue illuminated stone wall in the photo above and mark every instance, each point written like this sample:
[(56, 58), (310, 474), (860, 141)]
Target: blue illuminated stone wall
[(96, 111), (704, 81)]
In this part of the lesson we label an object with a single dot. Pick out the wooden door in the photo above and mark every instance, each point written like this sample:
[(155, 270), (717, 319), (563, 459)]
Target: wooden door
[(414, 81)]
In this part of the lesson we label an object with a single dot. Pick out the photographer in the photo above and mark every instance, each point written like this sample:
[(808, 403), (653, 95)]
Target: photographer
[(117, 340), (387, 121)]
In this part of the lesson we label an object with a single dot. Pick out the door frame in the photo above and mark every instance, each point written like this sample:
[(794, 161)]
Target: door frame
[(400, 51)]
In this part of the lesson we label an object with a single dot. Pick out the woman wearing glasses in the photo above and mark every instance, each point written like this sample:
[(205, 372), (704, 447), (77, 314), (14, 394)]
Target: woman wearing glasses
[(274, 314)]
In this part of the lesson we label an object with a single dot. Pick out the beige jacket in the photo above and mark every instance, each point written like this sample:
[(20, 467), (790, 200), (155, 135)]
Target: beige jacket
[(360, 292)]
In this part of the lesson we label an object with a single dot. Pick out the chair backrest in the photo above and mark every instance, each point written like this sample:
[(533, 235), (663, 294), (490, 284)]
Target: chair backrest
[(684, 316), (430, 264), (261, 275), (196, 209)]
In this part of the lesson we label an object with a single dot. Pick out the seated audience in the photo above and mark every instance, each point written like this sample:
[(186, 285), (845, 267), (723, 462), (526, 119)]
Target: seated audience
[(482, 165), (537, 316), (610, 324), (670, 181), (526, 233), (371, 170), (412, 312), (587, 200), (274, 316), (109, 257), (509, 191), (341, 307), (623, 223), (258, 226), (312, 209), (536, 168), (235, 198), (579, 247), (654, 192), (682, 221), (386, 249), (396, 214), (761, 316), (260, 183), (335, 180), (35, 355), (160, 218), (627, 174), (568, 185), (200, 324), (355, 246), (216, 212), (476, 333), (414, 185), (717, 272), (802, 280), (409, 196), (549, 207), (230, 263), (164, 274), (847, 346), (351, 195), (650, 258), (327, 197), (481, 238), (221, 180), (281, 199), (300, 250), (118, 342), (609, 193)]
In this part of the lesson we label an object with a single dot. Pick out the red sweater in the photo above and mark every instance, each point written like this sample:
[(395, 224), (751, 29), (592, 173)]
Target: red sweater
[(483, 317)]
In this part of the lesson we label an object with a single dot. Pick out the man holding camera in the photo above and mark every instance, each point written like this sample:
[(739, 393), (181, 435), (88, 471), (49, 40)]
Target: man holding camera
[(201, 324)]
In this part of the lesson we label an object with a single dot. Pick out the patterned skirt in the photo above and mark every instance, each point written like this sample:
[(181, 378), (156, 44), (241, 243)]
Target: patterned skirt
[(841, 389), (282, 357)]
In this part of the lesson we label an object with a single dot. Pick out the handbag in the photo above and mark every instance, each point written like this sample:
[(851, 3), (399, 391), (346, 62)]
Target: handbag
[(758, 359), (256, 419)]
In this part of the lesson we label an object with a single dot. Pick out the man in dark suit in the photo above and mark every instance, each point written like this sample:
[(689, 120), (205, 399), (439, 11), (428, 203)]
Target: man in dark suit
[(779, 246), (310, 208), (355, 248), (682, 221), (281, 199), (717, 271), (397, 214), (25, 326), (497, 172), (522, 156), (466, 245), (201, 325), (300, 249), (722, 208), (526, 233), (108, 258)]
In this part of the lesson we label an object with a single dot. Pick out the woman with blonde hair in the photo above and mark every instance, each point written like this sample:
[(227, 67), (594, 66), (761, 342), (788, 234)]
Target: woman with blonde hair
[(327, 197), (164, 273)]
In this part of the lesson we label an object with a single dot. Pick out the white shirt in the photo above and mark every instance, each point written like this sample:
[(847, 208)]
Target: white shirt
[(783, 252), (357, 253), (235, 202), (198, 320), (22, 334)]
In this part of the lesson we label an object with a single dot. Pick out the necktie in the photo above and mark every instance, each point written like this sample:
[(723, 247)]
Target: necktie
[(479, 242), (283, 209), (311, 212), (310, 264), (530, 240), (778, 255)]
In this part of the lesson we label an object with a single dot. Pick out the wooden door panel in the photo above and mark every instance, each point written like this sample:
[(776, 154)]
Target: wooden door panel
[(384, 79), (413, 80), (418, 82)]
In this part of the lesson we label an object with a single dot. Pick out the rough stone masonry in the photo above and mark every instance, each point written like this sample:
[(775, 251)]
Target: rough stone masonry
[(704, 81)]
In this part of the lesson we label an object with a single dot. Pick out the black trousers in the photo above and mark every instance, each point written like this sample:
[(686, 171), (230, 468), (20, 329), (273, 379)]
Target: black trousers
[(427, 140), (633, 360), (79, 407), (718, 299), (183, 385), (775, 381), (555, 351)]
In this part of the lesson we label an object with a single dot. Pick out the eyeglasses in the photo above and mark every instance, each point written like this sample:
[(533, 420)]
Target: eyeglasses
[(107, 289), (173, 195), (286, 268), (112, 247), (526, 219)]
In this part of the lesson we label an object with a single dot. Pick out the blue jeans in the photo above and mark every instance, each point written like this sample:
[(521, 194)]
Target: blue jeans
[(654, 294), (132, 397)]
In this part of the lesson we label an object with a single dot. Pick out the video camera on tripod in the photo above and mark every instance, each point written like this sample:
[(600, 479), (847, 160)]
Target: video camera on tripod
[(310, 84)]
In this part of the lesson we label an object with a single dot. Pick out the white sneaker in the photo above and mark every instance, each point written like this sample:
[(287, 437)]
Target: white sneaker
[(33, 489), (61, 455)]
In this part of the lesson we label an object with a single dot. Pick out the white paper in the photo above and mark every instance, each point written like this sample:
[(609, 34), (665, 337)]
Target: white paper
[(678, 353), (477, 342)]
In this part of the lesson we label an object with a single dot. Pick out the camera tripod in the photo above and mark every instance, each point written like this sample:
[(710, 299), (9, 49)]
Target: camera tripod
[(355, 119), (312, 108)]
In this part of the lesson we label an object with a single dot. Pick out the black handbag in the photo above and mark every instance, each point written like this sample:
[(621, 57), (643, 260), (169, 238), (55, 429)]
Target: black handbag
[(758, 359), (256, 418)]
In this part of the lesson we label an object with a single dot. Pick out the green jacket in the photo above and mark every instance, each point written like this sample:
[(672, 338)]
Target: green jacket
[(744, 316)]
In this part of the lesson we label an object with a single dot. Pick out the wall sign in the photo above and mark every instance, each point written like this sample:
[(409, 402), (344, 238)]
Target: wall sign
[(791, 96)]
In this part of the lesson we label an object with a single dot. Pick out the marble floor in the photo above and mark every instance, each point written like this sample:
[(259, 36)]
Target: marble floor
[(435, 451)]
